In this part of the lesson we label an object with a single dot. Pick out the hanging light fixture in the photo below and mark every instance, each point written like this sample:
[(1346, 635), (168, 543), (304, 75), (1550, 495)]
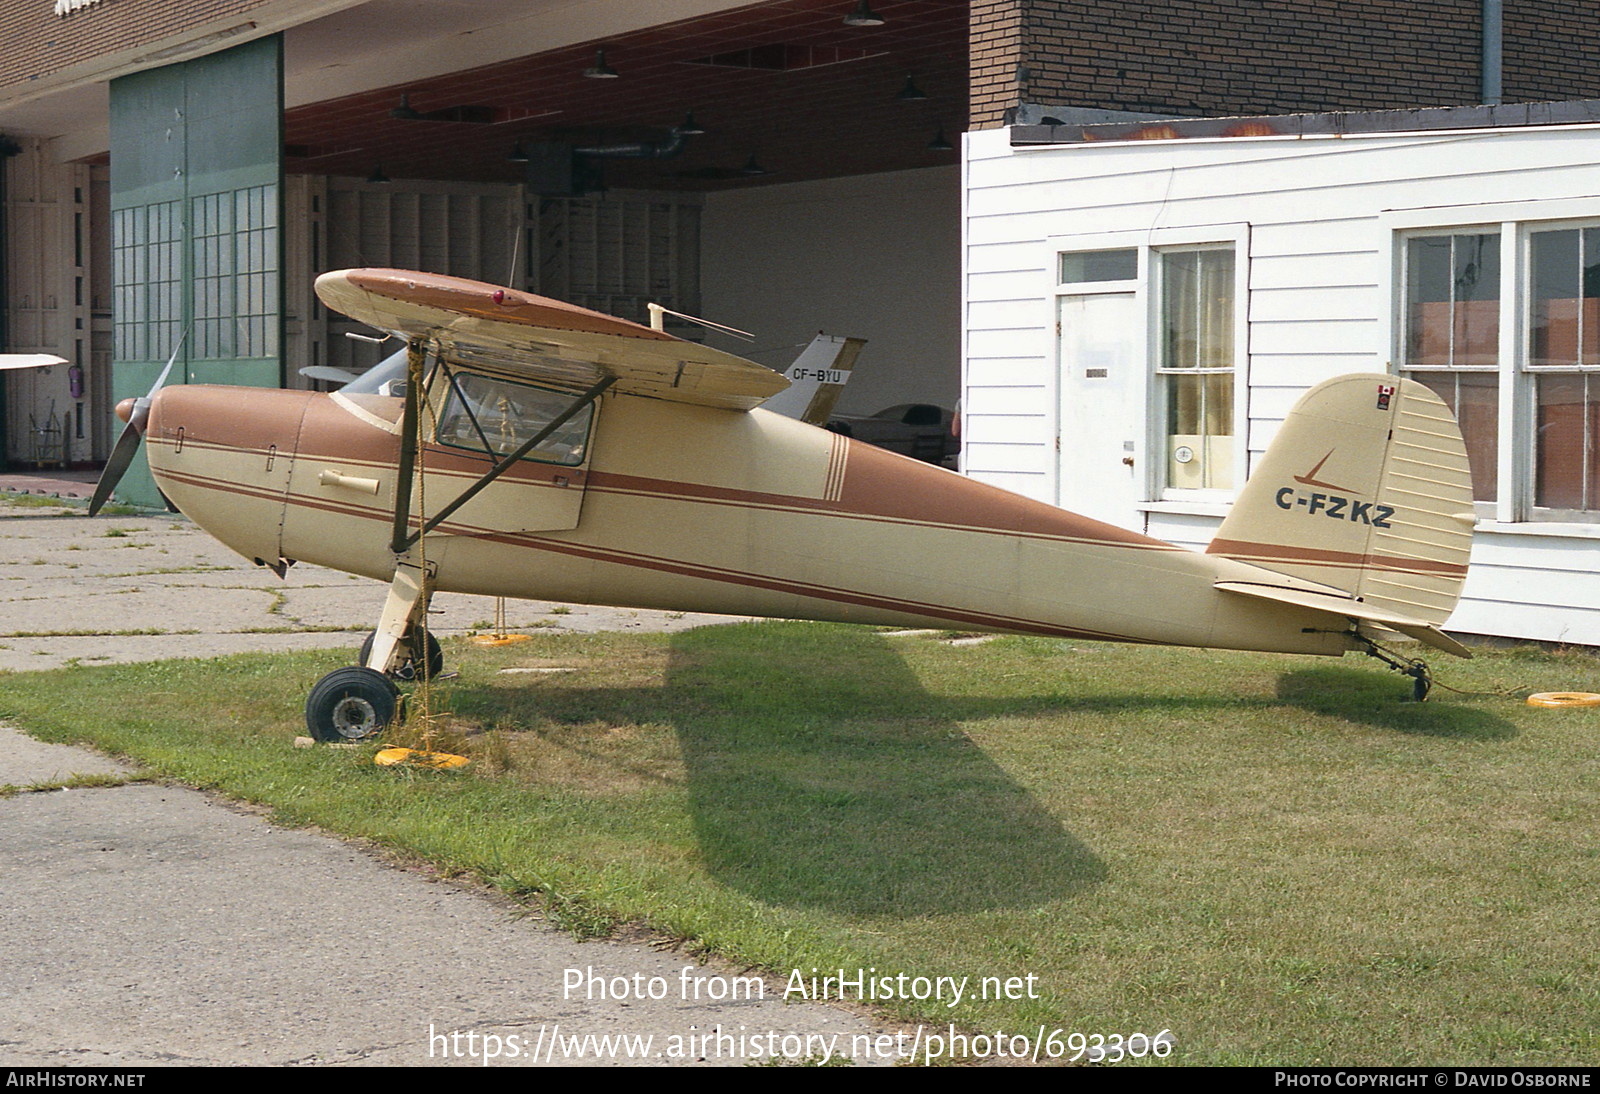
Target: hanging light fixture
[(601, 70), (518, 154), (752, 168), (911, 92), (863, 16), (404, 111), (689, 127), (378, 178), (939, 143)]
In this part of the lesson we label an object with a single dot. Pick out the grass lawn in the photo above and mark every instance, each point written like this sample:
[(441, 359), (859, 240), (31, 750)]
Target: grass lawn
[(1278, 859)]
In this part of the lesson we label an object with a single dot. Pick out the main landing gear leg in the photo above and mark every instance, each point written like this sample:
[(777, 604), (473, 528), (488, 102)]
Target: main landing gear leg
[(352, 703), (403, 611)]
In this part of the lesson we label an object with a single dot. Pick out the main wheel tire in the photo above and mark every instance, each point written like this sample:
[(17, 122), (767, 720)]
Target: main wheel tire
[(405, 665), (351, 704)]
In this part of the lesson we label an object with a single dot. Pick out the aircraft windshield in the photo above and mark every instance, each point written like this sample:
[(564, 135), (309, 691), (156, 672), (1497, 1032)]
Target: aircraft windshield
[(380, 391), (498, 417), (387, 377)]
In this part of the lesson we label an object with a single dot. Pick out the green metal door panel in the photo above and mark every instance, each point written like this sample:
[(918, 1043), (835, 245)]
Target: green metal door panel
[(147, 111), (196, 193), (234, 109)]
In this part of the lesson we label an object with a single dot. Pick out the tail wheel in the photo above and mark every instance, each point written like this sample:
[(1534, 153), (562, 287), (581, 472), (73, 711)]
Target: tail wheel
[(351, 704), (406, 665)]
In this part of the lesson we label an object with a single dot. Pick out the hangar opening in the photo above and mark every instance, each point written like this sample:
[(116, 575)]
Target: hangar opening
[(776, 167)]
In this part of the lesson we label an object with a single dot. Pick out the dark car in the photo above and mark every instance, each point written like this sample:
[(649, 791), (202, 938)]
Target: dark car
[(919, 430)]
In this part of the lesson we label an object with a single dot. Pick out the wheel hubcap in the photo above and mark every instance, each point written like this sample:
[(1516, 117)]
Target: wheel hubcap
[(354, 717)]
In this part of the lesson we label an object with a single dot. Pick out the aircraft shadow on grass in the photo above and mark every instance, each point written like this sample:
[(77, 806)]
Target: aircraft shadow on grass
[(1367, 697), (821, 774)]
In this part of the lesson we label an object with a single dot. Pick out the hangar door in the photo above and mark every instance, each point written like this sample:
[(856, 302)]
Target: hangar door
[(196, 184)]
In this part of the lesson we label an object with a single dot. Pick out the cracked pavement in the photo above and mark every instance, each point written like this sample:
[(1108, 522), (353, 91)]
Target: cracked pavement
[(150, 924)]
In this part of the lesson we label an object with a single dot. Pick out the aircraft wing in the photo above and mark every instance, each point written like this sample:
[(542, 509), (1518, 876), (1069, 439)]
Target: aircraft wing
[(545, 340), (29, 360)]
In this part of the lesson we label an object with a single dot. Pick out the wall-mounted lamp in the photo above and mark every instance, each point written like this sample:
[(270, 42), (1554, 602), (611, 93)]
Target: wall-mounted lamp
[(601, 70), (939, 143)]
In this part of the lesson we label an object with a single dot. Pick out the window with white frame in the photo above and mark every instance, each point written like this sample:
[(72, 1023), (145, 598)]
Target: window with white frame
[(1195, 365), (1563, 365), (1451, 338), (1521, 370)]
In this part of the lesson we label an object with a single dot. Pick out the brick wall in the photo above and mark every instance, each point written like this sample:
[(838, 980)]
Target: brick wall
[(1228, 57), (1552, 50), (38, 42)]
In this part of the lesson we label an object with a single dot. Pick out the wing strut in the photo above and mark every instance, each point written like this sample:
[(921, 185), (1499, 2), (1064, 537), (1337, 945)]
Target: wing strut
[(415, 355)]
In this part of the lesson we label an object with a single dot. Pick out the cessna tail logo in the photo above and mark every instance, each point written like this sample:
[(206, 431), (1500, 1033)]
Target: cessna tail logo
[(1336, 506), (1310, 477)]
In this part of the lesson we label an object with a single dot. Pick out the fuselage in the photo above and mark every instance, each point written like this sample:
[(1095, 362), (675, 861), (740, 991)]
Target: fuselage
[(692, 508)]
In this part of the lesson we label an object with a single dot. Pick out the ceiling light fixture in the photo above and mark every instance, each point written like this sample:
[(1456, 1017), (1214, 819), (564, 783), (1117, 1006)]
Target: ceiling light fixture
[(518, 154), (863, 16), (911, 92), (752, 168), (689, 127), (378, 178), (601, 70), (404, 111)]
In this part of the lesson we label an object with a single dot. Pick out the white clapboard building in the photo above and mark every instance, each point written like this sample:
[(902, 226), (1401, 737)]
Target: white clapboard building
[(1144, 301)]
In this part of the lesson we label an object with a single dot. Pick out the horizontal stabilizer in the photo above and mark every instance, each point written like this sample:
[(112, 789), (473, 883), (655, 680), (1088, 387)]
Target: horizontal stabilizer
[(1351, 608)]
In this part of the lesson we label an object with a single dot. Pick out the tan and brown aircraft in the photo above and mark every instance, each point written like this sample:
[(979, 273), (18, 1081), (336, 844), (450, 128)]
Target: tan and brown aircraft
[(524, 447)]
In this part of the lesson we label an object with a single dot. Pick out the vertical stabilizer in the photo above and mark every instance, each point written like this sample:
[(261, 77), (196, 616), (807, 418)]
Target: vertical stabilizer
[(1365, 489), (816, 379)]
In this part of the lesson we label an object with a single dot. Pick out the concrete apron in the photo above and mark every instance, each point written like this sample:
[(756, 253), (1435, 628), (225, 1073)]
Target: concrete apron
[(155, 925)]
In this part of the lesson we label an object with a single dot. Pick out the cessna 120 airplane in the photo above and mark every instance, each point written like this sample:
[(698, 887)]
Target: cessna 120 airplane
[(523, 447)]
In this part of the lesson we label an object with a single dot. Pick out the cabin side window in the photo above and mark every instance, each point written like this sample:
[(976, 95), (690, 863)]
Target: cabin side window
[(498, 417)]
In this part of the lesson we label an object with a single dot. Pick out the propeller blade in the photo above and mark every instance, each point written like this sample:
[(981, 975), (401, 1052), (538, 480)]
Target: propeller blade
[(121, 456), (128, 443)]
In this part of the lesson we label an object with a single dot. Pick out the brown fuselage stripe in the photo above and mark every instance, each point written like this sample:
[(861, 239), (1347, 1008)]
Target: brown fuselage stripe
[(664, 565), (1313, 556), (610, 482)]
